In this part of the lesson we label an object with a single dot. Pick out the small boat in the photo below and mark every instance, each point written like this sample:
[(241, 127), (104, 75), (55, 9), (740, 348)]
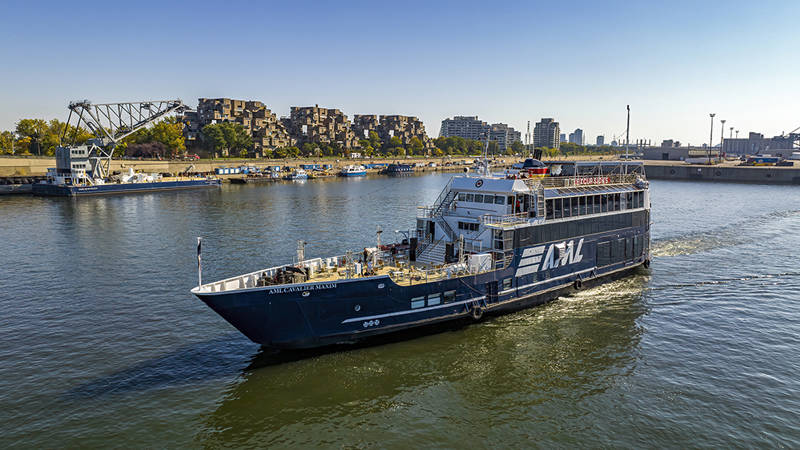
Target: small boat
[(298, 174), (353, 171), (397, 169)]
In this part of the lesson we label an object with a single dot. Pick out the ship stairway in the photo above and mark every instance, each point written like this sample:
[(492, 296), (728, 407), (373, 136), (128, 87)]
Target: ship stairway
[(444, 200), (433, 253), (540, 208)]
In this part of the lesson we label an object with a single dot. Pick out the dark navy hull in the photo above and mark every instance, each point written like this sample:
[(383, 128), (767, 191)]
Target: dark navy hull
[(122, 188), (319, 314)]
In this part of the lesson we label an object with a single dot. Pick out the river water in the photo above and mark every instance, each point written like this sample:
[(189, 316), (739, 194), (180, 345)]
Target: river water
[(101, 343)]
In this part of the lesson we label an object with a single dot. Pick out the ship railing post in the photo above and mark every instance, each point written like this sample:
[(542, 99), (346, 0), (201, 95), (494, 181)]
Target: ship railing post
[(199, 261)]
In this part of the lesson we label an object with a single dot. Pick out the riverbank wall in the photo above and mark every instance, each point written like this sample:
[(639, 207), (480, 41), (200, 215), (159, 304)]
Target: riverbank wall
[(724, 173)]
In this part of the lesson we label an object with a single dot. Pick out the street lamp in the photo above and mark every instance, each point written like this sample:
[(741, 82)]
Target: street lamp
[(731, 136), (710, 139), (737, 134), (721, 136)]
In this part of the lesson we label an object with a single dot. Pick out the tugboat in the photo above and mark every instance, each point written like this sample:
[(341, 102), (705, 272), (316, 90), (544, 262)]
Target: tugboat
[(489, 244)]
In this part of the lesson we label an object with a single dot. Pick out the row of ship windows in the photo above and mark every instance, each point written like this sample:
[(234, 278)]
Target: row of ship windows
[(468, 226), (564, 230), (484, 198), (559, 208), (448, 296), (619, 250), (433, 299)]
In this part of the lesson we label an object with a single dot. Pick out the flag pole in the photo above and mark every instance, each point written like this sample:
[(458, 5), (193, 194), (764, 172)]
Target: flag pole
[(199, 261)]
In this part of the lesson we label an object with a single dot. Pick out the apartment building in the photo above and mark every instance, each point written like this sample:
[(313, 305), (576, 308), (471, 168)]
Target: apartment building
[(312, 124), (260, 123)]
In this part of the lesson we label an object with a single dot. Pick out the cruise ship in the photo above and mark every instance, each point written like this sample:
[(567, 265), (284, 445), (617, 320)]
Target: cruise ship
[(490, 244)]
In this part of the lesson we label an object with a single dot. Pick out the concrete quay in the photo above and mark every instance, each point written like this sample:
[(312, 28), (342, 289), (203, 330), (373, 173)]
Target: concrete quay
[(726, 172)]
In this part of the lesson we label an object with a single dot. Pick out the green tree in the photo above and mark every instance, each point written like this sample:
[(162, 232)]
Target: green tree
[(415, 146), (170, 133), (375, 140), (517, 147), (227, 138)]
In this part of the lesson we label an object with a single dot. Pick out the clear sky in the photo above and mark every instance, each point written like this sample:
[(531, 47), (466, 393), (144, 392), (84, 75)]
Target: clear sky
[(580, 62)]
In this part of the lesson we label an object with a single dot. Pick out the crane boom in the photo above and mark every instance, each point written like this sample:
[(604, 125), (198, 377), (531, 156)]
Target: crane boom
[(111, 123)]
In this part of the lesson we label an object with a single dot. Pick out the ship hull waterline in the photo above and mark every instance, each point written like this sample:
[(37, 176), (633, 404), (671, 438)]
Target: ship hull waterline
[(251, 313)]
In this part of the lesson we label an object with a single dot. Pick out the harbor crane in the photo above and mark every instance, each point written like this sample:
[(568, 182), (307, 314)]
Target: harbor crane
[(110, 123)]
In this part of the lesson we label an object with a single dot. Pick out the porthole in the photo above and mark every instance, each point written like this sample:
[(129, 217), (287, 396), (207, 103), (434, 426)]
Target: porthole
[(357, 308)]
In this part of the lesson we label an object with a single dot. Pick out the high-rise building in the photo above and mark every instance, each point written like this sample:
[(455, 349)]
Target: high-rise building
[(563, 137), (546, 134), (504, 135), (576, 137), (601, 140), (467, 127), (266, 131)]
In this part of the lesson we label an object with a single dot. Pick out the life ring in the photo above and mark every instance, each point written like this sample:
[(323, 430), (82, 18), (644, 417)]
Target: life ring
[(578, 284), (477, 312), (646, 263)]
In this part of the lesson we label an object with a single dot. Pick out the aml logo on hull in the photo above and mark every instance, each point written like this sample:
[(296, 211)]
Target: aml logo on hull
[(558, 255)]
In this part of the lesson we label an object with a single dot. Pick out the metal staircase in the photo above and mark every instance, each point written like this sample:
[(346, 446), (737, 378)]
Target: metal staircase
[(443, 201), (433, 253), (540, 205)]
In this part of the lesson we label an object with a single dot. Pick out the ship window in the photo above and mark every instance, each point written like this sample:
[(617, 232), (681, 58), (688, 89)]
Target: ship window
[(597, 204), (478, 198), (617, 202), (557, 208), (582, 202), (449, 297), (434, 299), (462, 197), (417, 302), (510, 200), (507, 284), (549, 207), (567, 208), (499, 200), (488, 199), (604, 203), (575, 207), (470, 197)]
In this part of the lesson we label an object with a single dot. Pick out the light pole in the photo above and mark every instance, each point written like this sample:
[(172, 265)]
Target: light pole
[(721, 136), (710, 139), (731, 136), (737, 134), (628, 132)]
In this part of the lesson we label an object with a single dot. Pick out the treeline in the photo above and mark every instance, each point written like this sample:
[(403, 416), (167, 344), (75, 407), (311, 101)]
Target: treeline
[(165, 139), (40, 137)]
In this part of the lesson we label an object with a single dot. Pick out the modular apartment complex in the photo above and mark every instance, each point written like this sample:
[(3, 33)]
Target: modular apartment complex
[(259, 122), (404, 128)]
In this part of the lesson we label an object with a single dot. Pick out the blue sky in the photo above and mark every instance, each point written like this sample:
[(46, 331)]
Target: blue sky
[(580, 62)]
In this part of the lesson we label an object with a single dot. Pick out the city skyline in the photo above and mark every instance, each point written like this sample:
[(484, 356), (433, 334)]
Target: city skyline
[(673, 65)]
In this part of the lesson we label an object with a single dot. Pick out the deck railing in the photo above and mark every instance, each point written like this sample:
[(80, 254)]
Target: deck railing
[(582, 180)]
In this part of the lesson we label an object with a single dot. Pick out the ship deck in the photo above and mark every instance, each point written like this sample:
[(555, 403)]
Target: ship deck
[(403, 274)]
